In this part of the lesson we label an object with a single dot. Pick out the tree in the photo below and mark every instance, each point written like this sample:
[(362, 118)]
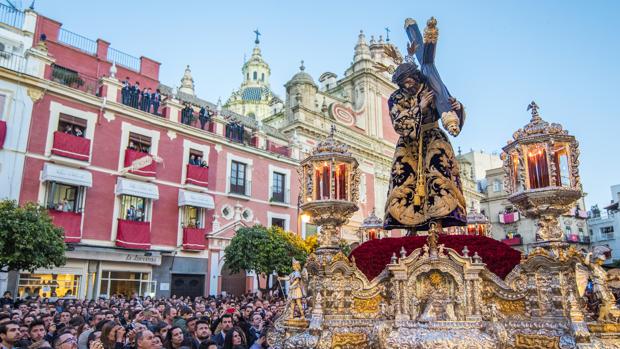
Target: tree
[(28, 239), (264, 250)]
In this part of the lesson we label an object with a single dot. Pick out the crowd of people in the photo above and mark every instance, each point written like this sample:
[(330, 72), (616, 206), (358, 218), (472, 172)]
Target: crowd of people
[(144, 99), (197, 160), (204, 115), (138, 323)]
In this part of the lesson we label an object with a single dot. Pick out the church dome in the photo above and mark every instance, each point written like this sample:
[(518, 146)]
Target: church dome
[(301, 77)]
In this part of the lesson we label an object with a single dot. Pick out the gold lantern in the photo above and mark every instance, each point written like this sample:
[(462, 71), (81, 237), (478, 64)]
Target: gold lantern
[(541, 164), (329, 188)]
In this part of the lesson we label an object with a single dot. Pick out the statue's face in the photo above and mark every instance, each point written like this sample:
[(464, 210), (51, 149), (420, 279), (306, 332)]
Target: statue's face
[(411, 85)]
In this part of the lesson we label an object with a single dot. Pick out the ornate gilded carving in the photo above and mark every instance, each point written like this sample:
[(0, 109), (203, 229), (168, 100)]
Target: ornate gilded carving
[(35, 94), (535, 341), (367, 306), (349, 340)]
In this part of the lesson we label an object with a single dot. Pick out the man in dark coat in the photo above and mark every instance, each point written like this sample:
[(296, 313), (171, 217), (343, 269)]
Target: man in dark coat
[(156, 100), (145, 103), (125, 91)]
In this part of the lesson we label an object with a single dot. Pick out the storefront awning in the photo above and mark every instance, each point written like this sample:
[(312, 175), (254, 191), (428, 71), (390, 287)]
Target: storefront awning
[(67, 175), (126, 186), (190, 198)]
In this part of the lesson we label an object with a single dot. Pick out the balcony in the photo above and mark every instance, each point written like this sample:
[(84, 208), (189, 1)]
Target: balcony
[(11, 16), (577, 239), (140, 163), (507, 218), (279, 197), (516, 241), (13, 62), (2, 133), (574, 212), (278, 149), (132, 234), (71, 222), (75, 80), (197, 175), (194, 239), (241, 189), (71, 146)]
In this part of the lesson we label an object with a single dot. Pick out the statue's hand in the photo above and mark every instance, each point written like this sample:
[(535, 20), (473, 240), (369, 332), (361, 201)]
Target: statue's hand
[(456, 105), (426, 100)]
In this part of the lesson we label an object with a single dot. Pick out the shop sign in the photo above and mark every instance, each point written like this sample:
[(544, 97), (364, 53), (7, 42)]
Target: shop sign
[(140, 258)]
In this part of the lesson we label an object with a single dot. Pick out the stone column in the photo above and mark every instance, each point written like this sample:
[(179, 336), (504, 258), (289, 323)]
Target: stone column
[(111, 89)]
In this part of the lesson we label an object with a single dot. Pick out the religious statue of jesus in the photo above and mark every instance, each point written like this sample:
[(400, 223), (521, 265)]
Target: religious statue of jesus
[(425, 186)]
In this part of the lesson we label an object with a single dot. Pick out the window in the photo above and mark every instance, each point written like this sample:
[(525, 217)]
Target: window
[(262, 77), (237, 177), (139, 142), (278, 222), (193, 217), (254, 76), (247, 76), (195, 158), (64, 197), (126, 283), (277, 187), (497, 186), (607, 232), (134, 208), (48, 285), (71, 125), (2, 103)]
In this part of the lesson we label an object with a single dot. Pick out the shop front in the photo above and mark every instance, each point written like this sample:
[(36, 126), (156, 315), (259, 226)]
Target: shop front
[(68, 281)]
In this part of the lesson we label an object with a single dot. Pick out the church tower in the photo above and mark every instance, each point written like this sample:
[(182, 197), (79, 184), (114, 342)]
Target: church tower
[(254, 97), (187, 82)]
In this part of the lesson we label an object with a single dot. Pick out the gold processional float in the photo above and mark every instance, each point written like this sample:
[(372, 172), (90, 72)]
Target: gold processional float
[(437, 297)]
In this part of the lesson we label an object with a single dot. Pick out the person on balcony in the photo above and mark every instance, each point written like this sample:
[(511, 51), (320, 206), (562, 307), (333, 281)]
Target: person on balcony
[(125, 91), (131, 213), (132, 146), (145, 102), (192, 160), (78, 132), (135, 95), (204, 116), (68, 129), (156, 100)]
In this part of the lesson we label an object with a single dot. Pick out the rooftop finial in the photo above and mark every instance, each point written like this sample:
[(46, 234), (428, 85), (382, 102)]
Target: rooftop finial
[(257, 41), (387, 34), (534, 110), (302, 67)]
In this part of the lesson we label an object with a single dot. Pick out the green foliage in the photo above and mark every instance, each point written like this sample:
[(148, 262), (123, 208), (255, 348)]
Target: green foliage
[(344, 247), (28, 239), (264, 250)]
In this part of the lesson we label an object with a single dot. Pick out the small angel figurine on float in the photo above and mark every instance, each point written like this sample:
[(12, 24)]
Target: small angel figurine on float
[(296, 290)]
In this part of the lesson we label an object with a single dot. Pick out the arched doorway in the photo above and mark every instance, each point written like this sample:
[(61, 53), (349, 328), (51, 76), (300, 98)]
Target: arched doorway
[(233, 283)]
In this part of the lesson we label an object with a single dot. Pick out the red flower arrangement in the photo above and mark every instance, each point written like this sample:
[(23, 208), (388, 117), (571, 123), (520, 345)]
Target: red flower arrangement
[(372, 256)]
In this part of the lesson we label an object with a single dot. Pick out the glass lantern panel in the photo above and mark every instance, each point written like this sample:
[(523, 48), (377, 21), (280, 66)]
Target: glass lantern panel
[(341, 182), (514, 176), (537, 167), (322, 182), (561, 165)]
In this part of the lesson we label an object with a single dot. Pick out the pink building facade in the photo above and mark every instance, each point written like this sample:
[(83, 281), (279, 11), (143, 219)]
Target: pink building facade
[(138, 217)]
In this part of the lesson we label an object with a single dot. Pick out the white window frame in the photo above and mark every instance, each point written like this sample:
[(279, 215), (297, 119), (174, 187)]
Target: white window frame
[(286, 217), (55, 110), (187, 146), (248, 174), (497, 186), (287, 183), (127, 128), (363, 189)]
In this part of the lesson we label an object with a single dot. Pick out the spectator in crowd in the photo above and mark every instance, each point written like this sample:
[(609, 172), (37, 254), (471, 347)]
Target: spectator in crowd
[(187, 114), (226, 322), (9, 334), (37, 334), (235, 339), (7, 299), (156, 100), (65, 340), (175, 338)]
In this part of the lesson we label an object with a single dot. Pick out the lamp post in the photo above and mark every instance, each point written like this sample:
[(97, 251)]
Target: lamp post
[(330, 189), (541, 164)]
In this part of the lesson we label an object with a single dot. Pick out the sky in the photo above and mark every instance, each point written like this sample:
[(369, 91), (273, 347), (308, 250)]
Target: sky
[(494, 56)]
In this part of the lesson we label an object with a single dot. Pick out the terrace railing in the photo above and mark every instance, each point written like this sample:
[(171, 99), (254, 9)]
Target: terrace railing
[(11, 16), (13, 62), (121, 58), (78, 41)]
